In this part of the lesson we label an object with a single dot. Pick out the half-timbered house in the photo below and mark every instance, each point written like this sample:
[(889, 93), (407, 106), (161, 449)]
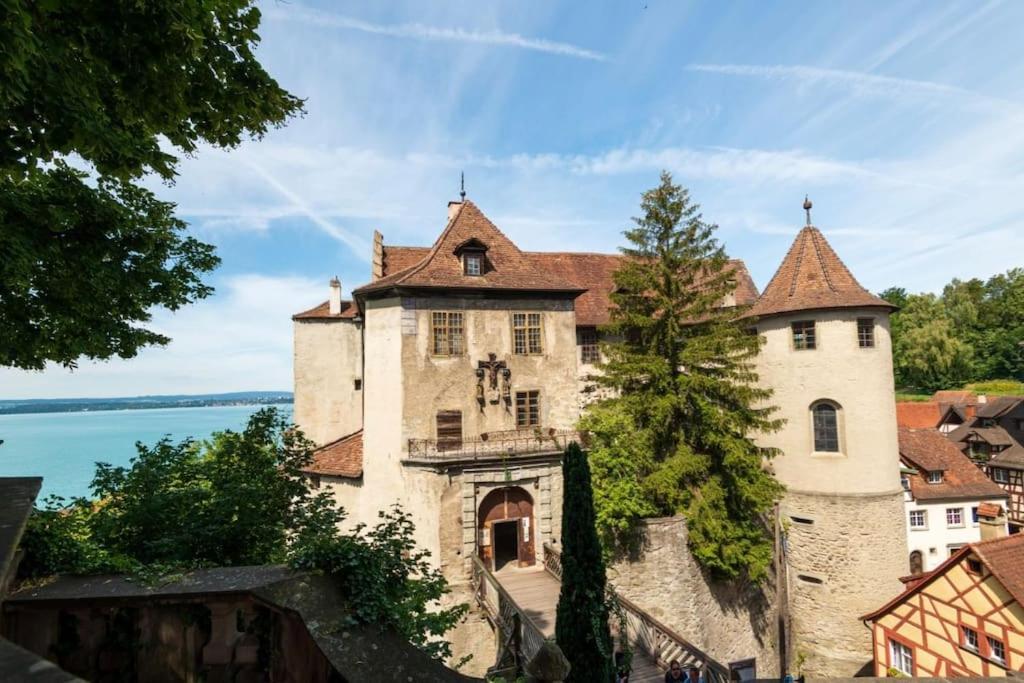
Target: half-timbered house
[(966, 618)]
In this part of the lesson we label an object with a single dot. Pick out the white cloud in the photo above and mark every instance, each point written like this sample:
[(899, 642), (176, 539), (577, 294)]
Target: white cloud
[(317, 18), (862, 83), (238, 340)]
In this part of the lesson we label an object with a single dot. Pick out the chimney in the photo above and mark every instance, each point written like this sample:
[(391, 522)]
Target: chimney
[(992, 521), (453, 208), (377, 261), (982, 399), (334, 303)]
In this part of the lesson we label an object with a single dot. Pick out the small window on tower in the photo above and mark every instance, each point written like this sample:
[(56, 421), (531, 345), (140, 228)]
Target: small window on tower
[(803, 335), (825, 421), (866, 333)]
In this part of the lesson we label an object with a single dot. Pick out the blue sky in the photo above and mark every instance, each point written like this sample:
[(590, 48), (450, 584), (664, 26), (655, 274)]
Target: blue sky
[(904, 122)]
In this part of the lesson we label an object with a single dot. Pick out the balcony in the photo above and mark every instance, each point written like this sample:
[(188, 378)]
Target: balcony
[(491, 446)]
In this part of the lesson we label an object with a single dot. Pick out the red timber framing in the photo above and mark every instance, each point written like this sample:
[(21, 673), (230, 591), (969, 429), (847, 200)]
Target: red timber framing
[(930, 617)]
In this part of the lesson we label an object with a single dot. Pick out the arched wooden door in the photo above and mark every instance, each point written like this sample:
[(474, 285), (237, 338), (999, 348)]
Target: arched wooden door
[(506, 534), (916, 563)]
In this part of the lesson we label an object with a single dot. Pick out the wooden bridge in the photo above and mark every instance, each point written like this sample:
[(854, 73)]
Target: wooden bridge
[(521, 604)]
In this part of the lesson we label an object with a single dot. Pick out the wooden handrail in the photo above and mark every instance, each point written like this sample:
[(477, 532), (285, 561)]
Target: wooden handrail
[(507, 613), (655, 632)]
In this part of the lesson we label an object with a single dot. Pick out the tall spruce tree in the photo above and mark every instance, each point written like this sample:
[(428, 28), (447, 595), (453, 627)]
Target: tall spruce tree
[(581, 629), (676, 437)]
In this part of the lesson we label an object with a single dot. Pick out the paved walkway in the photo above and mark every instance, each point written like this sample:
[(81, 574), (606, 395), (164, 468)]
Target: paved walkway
[(535, 591)]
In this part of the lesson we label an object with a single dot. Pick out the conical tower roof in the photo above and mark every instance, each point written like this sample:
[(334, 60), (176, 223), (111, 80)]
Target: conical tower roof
[(812, 276)]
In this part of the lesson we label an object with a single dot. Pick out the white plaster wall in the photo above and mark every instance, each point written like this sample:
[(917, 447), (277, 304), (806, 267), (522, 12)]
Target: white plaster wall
[(328, 358), (935, 541), (859, 380)]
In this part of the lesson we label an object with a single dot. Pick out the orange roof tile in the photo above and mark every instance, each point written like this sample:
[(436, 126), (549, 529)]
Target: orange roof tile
[(917, 415), (955, 396), (929, 450), (340, 458), (506, 267), (349, 310), (989, 510), (812, 276), (1004, 557), (590, 272)]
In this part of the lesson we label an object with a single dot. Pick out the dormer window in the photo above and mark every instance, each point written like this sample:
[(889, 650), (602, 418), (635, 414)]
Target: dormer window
[(935, 477), (473, 253), (473, 263)]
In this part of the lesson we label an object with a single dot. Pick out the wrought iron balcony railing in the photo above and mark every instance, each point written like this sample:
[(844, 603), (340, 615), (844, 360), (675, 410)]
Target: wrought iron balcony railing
[(493, 445)]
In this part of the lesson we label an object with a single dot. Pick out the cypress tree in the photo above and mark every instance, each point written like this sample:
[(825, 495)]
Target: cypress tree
[(676, 437), (581, 629)]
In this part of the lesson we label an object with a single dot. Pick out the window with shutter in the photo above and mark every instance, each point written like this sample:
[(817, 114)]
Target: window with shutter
[(449, 430)]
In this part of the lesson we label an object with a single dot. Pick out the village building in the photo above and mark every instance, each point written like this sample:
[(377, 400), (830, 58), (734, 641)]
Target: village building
[(993, 437), (949, 502), (453, 381), (965, 618)]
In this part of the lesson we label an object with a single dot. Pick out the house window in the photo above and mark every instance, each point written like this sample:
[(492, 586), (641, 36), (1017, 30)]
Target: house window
[(952, 548), (974, 566), (1019, 423), (905, 482), (918, 519), (526, 334), (473, 264), (449, 430), (803, 335), (1000, 476), (969, 638), (974, 515), (935, 477), (527, 408), (901, 657), (825, 419), (916, 562), (589, 350), (447, 333), (866, 333), (996, 650), (954, 517)]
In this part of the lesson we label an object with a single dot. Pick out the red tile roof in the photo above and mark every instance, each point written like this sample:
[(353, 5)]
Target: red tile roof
[(506, 267), (917, 415), (1004, 557), (989, 510), (955, 396), (591, 272), (928, 450), (341, 458), (349, 310), (812, 276)]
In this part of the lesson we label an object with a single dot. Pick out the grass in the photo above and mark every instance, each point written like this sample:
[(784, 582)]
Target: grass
[(992, 387)]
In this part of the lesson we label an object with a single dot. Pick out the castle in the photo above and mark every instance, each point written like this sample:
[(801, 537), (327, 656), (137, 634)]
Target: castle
[(453, 381)]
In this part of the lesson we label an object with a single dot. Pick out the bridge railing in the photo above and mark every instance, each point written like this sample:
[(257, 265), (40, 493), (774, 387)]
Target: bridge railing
[(492, 445), (517, 629), (648, 634)]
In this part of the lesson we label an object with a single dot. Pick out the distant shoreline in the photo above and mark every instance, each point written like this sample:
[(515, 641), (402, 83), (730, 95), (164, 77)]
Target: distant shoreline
[(90, 405)]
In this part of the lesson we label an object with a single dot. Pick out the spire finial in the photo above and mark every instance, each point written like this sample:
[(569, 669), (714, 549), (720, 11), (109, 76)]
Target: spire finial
[(807, 208), (462, 185)]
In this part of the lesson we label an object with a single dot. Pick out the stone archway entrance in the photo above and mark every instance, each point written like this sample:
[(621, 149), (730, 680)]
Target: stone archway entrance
[(506, 529)]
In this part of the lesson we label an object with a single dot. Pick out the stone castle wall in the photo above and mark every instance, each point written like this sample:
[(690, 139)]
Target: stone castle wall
[(728, 622), (844, 555)]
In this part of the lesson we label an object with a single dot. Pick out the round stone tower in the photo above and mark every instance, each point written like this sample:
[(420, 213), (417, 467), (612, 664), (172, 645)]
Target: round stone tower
[(827, 356)]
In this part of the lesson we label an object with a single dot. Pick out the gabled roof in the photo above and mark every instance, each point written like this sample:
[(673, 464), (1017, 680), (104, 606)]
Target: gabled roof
[(349, 310), (340, 458), (588, 271), (507, 267), (1012, 457), (917, 414), (1004, 558), (930, 451), (812, 276), (994, 436), (965, 396), (998, 406)]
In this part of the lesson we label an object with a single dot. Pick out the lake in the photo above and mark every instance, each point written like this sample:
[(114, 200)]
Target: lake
[(64, 448)]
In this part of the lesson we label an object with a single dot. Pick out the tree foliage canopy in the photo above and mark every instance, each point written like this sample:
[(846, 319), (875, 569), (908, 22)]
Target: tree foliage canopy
[(676, 437), (117, 89), (973, 331), (240, 499), (581, 624)]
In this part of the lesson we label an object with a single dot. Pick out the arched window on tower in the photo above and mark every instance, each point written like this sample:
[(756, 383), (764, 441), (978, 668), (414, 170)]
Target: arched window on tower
[(825, 422)]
